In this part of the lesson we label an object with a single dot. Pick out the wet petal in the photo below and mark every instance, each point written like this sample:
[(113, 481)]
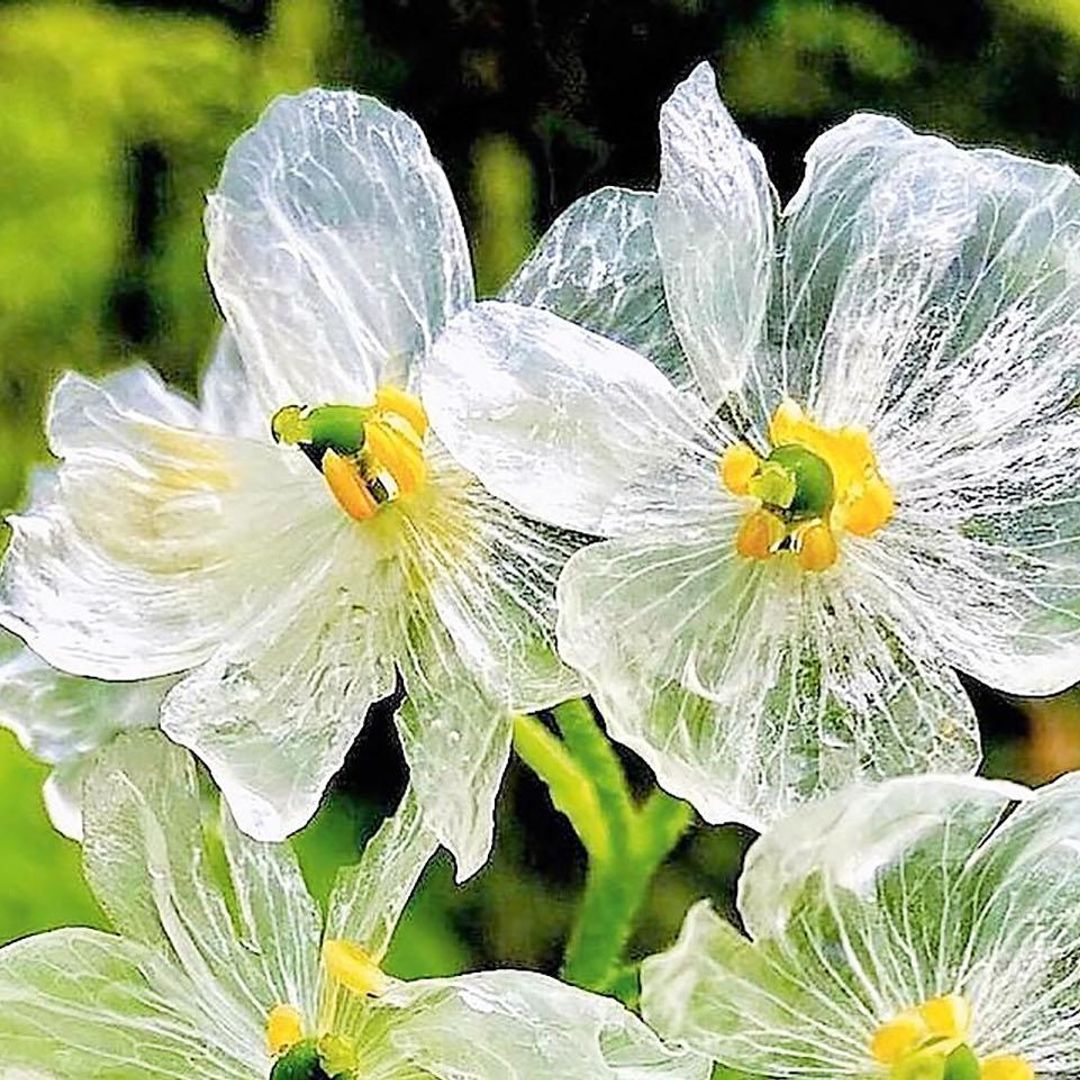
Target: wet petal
[(598, 266), (79, 1003), (714, 229), (154, 535), (227, 403), (152, 867), (517, 1025), (274, 710), (751, 687), (336, 249), (456, 740), (554, 419)]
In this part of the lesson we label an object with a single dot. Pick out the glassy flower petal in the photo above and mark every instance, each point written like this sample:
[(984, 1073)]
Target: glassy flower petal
[(598, 267), (554, 419), (456, 740), (148, 532), (227, 404), (368, 898), (78, 1003), (336, 249), (750, 686), (275, 708), (517, 1025), (62, 719), (714, 229), (151, 866)]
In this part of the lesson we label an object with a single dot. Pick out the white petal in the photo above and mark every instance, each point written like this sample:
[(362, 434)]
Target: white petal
[(368, 898), (274, 710), (227, 403), (336, 249), (517, 1025), (456, 740), (714, 228), (62, 794), (598, 267), (149, 864), (554, 419), (79, 1003), (751, 687), (149, 532)]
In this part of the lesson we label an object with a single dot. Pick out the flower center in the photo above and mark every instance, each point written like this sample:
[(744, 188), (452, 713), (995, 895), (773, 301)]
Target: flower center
[(930, 1042), (349, 974), (815, 484), (369, 455)]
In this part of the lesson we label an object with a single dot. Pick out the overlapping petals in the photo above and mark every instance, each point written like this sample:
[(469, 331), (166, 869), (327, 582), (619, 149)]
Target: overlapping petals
[(216, 930), (873, 902)]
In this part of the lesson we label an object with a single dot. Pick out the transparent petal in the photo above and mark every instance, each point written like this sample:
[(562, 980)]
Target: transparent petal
[(456, 741), (368, 897), (62, 793), (335, 248), (273, 712), (553, 418), (752, 687), (155, 535), (598, 266), (240, 923), (227, 403), (518, 1025), (81, 1005), (714, 228), (858, 907)]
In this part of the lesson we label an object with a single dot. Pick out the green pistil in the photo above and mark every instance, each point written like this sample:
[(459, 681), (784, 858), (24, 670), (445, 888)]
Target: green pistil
[(329, 1058), (336, 427), (795, 482), (935, 1063)]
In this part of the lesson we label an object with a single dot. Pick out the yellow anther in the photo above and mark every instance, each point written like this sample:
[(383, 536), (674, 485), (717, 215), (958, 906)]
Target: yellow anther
[(947, 1017), (897, 1037), (867, 512), (758, 534), (284, 1028), (391, 399), (344, 480), (816, 546), (1006, 1067), (788, 423), (392, 443), (737, 465), (348, 964)]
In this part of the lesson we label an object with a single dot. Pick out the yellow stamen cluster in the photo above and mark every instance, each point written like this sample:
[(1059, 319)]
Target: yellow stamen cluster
[(859, 501), (926, 1040)]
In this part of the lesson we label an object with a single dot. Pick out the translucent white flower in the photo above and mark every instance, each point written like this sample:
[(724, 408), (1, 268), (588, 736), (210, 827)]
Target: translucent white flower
[(223, 968), (302, 538), (832, 452), (64, 720), (922, 928)]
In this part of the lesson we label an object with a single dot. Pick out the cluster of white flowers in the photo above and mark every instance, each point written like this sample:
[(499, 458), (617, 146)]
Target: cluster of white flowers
[(760, 481)]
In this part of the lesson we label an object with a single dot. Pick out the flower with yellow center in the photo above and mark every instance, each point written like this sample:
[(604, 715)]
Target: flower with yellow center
[(301, 539), (223, 967), (919, 929), (829, 452)]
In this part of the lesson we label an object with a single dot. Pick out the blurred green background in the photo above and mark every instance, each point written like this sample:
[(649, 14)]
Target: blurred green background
[(115, 119)]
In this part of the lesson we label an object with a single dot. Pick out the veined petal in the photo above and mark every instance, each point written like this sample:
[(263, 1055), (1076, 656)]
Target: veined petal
[(518, 1025), (274, 710), (336, 249), (752, 687), (149, 532), (598, 266), (456, 741), (62, 719), (227, 403), (150, 865), (76, 1004), (368, 898), (714, 228), (553, 418)]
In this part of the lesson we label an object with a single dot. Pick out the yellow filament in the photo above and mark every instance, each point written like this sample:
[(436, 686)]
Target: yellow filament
[(351, 967), (284, 1028), (1006, 1067), (344, 480)]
